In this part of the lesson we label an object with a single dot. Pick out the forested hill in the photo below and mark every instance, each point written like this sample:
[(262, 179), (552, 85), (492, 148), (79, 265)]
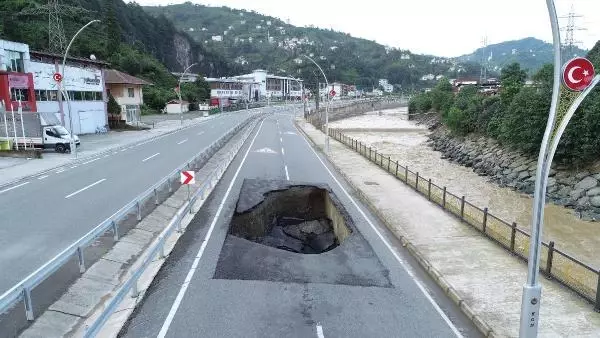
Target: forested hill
[(530, 53), (154, 35), (253, 40)]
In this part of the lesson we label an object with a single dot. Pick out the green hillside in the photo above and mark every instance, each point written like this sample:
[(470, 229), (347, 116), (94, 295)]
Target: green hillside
[(245, 40), (530, 53)]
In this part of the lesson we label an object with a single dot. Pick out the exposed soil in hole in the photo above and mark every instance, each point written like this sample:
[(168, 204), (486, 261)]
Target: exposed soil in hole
[(294, 219), (298, 235)]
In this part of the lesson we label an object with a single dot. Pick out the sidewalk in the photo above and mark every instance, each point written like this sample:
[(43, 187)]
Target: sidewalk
[(480, 276), (12, 169)]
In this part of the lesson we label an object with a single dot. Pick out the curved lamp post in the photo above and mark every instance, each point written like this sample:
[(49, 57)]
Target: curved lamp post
[(532, 290), (65, 93), (326, 106), (179, 91)]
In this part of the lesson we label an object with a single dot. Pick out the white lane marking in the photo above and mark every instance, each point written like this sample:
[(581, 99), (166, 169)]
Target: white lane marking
[(287, 174), (182, 142), (280, 140), (85, 188), (389, 246), (59, 171), (123, 149), (165, 327), (107, 155), (150, 157), (42, 177), (200, 133), (116, 152), (90, 161), (75, 166), (320, 331), (282, 151), (13, 187)]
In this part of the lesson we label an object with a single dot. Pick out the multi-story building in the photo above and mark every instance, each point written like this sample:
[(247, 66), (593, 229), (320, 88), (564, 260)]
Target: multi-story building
[(387, 87), (273, 86), (83, 82), (16, 81), (231, 90)]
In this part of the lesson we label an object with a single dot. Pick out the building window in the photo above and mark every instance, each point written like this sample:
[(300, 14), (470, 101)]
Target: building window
[(17, 94), (41, 95), (14, 62), (130, 92), (52, 95)]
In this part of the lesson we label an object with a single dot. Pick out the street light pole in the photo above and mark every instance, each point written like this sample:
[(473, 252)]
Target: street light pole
[(532, 290), (326, 106), (179, 91), (65, 92)]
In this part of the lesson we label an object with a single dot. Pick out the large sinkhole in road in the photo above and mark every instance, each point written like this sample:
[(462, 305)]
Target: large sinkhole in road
[(294, 232), (301, 219)]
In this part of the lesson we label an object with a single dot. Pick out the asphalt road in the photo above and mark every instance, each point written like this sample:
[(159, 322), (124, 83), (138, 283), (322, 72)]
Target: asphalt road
[(41, 216), (192, 297)]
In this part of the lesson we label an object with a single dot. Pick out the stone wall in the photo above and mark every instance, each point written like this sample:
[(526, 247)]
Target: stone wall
[(575, 189), (355, 109)]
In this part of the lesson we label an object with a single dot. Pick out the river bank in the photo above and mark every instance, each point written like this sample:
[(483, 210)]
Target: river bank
[(410, 145)]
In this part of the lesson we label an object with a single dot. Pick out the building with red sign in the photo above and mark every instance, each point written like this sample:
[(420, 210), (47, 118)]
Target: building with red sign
[(16, 84)]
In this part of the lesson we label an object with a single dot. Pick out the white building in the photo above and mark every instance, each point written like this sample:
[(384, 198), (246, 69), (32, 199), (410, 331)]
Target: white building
[(387, 87), (83, 81), (187, 77), (274, 87), (217, 38), (233, 89)]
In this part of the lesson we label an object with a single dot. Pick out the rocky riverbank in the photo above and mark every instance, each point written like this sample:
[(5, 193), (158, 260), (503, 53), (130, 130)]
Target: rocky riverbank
[(579, 190)]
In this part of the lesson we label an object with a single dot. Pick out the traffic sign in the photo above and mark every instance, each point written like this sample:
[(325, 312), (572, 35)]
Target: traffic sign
[(332, 92), (57, 77), (188, 177), (578, 73)]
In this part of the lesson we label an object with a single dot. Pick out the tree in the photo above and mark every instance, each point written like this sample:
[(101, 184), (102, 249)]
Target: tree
[(442, 97), (113, 28), (512, 80), (113, 107)]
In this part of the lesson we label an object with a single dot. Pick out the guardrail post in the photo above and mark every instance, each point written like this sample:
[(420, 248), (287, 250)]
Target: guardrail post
[(396, 169), (155, 196), (170, 184), (485, 216), (139, 211), (513, 235), (429, 190), (81, 260), (417, 182), (370, 151), (161, 251), (597, 307), (381, 160), (28, 304), (389, 161), (444, 198), (549, 259), (462, 208), (115, 229), (406, 174)]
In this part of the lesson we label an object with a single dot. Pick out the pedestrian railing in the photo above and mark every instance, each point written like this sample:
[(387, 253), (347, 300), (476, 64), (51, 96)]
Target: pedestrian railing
[(555, 264), (22, 290), (157, 248)]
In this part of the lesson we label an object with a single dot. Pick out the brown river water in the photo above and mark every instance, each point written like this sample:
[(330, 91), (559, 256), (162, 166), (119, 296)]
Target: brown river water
[(408, 145)]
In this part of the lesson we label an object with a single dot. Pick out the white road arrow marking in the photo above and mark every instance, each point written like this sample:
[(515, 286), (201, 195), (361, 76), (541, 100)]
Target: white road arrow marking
[(266, 151)]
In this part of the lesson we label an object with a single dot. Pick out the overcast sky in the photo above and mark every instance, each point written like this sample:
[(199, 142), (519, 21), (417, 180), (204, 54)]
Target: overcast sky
[(438, 27)]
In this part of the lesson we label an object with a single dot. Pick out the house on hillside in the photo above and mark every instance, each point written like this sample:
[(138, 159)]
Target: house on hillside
[(127, 91)]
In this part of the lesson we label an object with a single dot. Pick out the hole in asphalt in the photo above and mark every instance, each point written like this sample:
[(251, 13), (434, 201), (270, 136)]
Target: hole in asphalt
[(296, 219), (289, 232)]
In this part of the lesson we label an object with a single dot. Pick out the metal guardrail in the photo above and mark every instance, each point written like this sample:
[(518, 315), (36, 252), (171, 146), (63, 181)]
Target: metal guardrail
[(555, 264), (22, 290), (157, 248)]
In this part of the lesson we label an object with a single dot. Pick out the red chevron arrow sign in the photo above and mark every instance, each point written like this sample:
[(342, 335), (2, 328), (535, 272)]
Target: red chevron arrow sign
[(188, 177)]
